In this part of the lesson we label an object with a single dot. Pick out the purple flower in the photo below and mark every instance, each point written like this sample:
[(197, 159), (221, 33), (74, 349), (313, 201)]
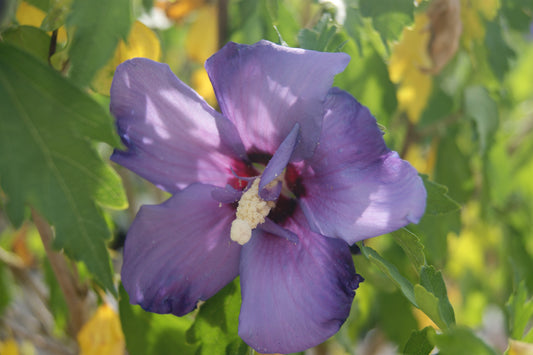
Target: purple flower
[(274, 189)]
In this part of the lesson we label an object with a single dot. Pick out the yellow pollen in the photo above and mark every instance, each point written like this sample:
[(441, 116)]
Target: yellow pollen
[(251, 212)]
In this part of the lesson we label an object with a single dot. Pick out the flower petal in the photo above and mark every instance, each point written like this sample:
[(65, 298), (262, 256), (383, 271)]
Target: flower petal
[(171, 133), (266, 88), (356, 188), (294, 295), (180, 252)]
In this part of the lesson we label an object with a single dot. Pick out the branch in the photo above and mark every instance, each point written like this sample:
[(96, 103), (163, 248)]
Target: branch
[(74, 293)]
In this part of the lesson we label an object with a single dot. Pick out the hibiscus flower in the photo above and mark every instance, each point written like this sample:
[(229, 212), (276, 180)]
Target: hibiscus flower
[(273, 189)]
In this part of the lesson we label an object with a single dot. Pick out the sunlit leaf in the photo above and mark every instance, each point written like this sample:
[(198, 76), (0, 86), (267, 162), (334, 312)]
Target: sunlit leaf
[(461, 341), (177, 10), (215, 327), (389, 17), (519, 348), (141, 42), (202, 85), (30, 15), (153, 334), (99, 25), (49, 123), (102, 334), (520, 311), (473, 15), (202, 38), (433, 282), (406, 68), (320, 36), (9, 347)]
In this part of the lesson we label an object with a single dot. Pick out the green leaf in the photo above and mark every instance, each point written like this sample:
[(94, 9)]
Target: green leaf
[(519, 311), (429, 304), (47, 159), (439, 106), (5, 289), (438, 202), (432, 298), (519, 14), (411, 245), (498, 51), (460, 341), (216, 325), (30, 39), (392, 272), (483, 110), (433, 282), (153, 334), (418, 343), (320, 37), (100, 24), (389, 17)]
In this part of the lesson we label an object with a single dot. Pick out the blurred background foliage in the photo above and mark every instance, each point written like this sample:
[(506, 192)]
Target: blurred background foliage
[(450, 81)]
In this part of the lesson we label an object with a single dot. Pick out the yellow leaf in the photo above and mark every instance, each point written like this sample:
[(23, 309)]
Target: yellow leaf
[(519, 348), (102, 334), (9, 347), (408, 61), (30, 15), (178, 9), (202, 39), (423, 159), (142, 42), (201, 83), (473, 15)]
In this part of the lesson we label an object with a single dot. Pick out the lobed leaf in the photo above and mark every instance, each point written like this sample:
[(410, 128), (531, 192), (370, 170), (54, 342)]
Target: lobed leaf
[(418, 343), (99, 25), (152, 334), (215, 326), (392, 272), (411, 245), (47, 159), (438, 201), (460, 341)]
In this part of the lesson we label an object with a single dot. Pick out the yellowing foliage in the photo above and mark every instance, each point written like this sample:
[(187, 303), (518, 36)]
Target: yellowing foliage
[(408, 61), (30, 15), (473, 14), (9, 347), (202, 38), (519, 348), (142, 42), (102, 334), (201, 83), (423, 159), (178, 9)]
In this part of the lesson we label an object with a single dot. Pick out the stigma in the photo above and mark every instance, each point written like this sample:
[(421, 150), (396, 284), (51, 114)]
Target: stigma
[(251, 211)]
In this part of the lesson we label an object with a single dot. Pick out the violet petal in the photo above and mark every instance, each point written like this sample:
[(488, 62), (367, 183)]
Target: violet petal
[(170, 133), (356, 188), (266, 88), (294, 295), (180, 252)]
